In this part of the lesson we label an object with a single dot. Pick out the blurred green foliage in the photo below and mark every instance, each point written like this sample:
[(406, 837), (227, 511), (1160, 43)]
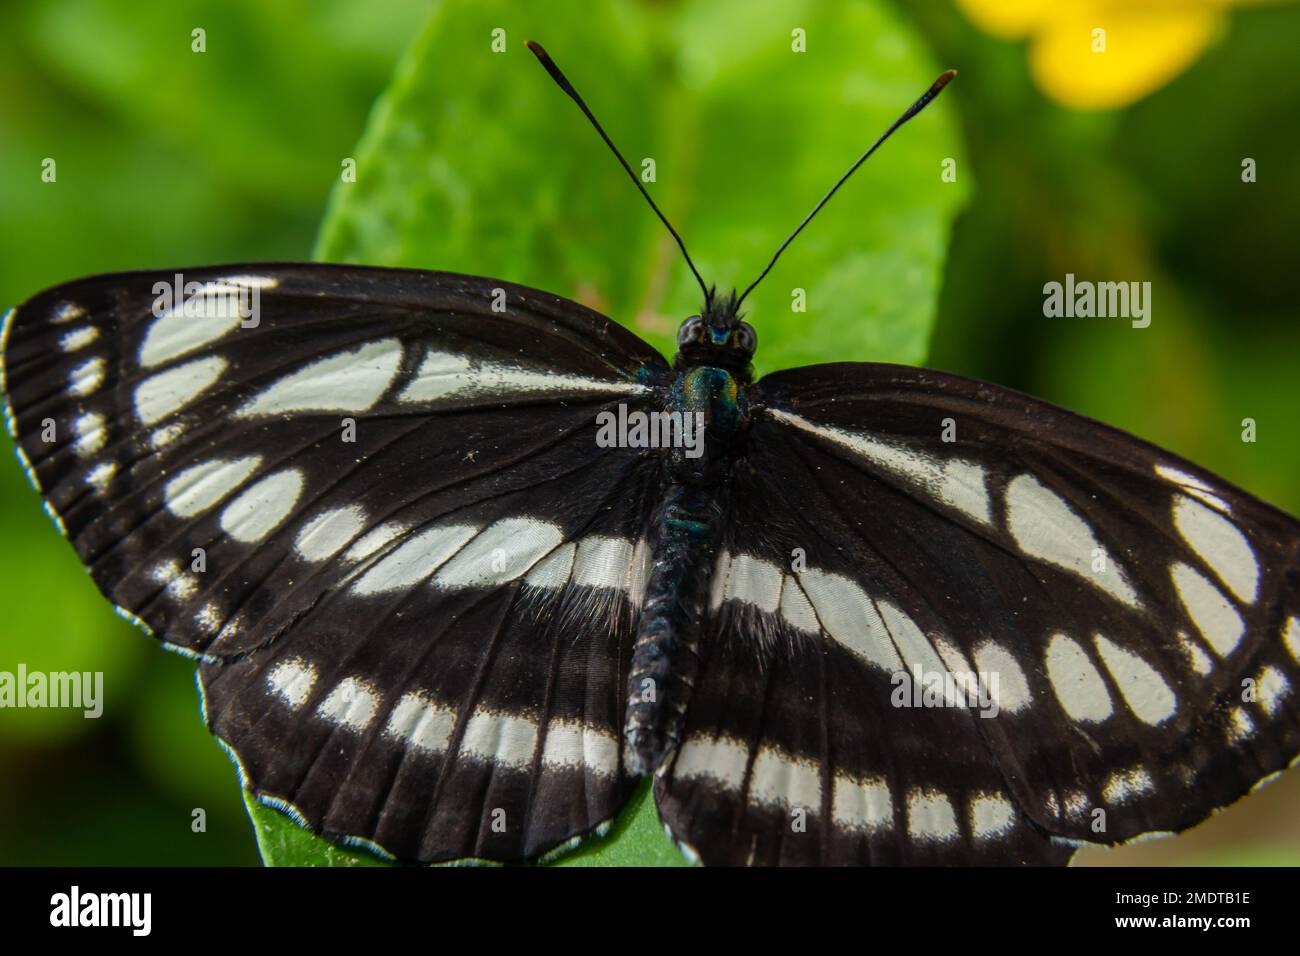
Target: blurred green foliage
[(171, 158)]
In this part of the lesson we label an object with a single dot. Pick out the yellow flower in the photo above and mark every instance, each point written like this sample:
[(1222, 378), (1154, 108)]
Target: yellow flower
[(1100, 54)]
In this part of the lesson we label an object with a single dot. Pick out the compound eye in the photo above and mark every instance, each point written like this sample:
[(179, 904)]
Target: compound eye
[(743, 338), (691, 331)]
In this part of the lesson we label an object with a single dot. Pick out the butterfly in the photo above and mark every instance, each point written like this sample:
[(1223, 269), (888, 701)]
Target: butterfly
[(461, 562)]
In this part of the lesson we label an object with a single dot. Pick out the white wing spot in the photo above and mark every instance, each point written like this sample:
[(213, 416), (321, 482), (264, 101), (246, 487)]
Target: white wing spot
[(1199, 660), (1240, 727), (210, 314), (1181, 478), (1045, 527), (508, 741), (862, 804), (1271, 686), (1194, 487), (1145, 691), (1013, 687), (1291, 638), (930, 817), (66, 312), (420, 723), (208, 618), (720, 759), (292, 681), (957, 483), (1209, 609), (1051, 805), (850, 618), (162, 437), (1123, 786), (414, 559), (182, 587), (640, 572), (501, 552), (1080, 689), (573, 745), (795, 609), (718, 582), (552, 572), (964, 486), (165, 571), (603, 562), (353, 704), (262, 506), (444, 375), (780, 779), (87, 377), (248, 281), (374, 540), (167, 392), (351, 381), (1220, 544), (198, 488), (439, 375), (91, 433), (101, 475), (1076, 804), (991, 816), (78, 338), (754, 581), (966, 681), (325, 535), (918, 654)]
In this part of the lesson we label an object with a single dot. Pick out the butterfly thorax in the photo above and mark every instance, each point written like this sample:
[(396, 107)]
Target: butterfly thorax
[(715, 412)]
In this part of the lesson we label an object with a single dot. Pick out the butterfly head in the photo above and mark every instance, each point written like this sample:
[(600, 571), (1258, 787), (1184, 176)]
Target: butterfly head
[(718, 337)]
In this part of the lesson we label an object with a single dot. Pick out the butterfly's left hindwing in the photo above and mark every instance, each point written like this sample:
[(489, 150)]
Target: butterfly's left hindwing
[(376, 509), (1110, 633)]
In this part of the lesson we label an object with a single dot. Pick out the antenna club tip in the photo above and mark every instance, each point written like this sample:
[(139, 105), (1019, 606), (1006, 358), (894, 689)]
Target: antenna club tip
[(944, 80), (538, 51)]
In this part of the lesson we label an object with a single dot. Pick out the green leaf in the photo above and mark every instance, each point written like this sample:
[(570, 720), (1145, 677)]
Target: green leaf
[(283, 843), (474, 162), (636, 839)]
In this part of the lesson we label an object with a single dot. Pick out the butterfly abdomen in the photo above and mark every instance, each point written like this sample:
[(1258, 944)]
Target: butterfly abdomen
[(666, 652)]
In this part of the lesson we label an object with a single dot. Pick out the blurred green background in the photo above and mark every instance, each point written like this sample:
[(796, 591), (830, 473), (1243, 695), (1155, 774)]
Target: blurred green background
[(171, 158)]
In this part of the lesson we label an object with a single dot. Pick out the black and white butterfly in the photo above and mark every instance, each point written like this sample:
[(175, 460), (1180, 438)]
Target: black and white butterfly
[(437, 615)]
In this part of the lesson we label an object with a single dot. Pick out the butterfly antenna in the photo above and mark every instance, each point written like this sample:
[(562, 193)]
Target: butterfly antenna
[(563, 83), (912, 110)]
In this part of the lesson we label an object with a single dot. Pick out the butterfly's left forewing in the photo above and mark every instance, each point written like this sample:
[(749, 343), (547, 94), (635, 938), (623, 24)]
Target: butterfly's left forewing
[(1110, 633), (375, 508)]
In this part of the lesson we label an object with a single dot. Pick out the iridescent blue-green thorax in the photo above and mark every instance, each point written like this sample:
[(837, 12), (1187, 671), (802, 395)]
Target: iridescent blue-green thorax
[(713, 397)]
